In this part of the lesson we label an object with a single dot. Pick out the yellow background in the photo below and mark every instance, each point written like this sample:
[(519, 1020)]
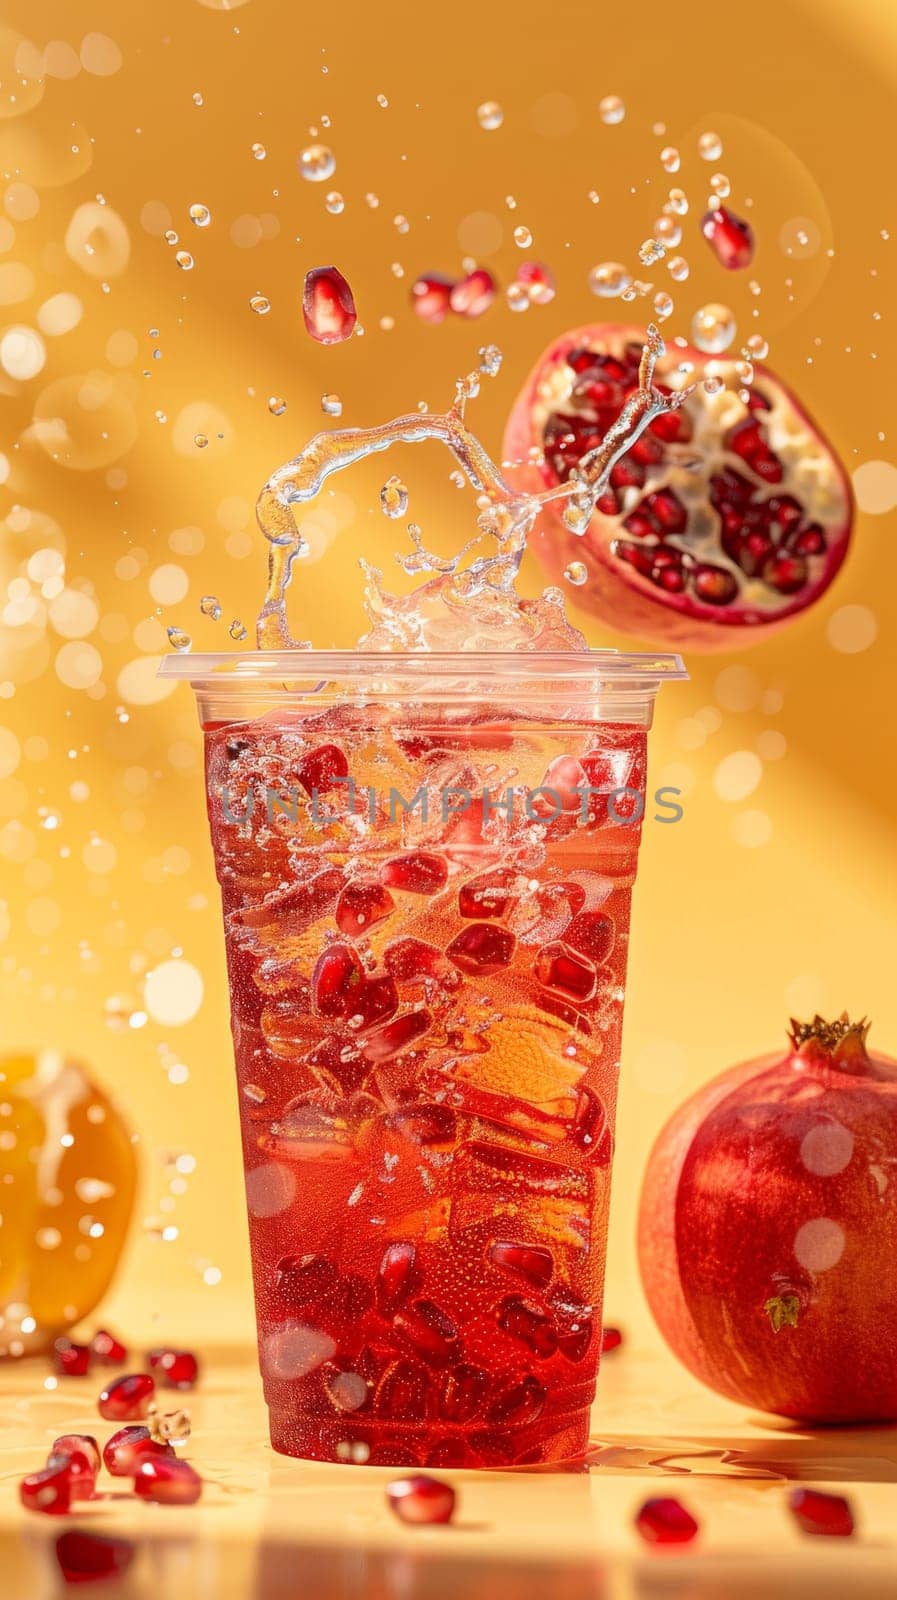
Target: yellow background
[(728, 938)]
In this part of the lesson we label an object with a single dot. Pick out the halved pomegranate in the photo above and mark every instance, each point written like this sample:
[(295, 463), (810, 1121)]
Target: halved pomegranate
[(722, 521)]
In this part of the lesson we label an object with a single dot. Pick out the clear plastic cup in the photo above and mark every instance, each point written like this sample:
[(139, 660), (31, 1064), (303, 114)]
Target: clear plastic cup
[(426, 864)]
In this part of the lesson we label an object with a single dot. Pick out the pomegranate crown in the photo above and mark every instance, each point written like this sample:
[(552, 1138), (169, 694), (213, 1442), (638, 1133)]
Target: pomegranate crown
[(828, 1034)]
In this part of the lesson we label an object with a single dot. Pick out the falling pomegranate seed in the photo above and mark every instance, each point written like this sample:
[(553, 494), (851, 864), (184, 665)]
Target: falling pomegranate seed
[(529, 1324), (126, 1449), (397, 1277), (51, 1490), (530, 1261), (431, 296), (563, 969), (106, 1350), (328, 306), (127, 1399), (421, 1499), (815, 1512), (474, 294), (481, 949), (430, 1333), (167, 1482), (87, 1557), (71, 1360), (538, 281), (178, 1369), (665, 1521), (337, 976), (82, 1450), (730, 238), (418, 872), (361, 905)]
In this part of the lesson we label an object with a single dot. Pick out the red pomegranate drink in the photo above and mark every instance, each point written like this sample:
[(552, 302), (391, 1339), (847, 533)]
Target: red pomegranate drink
[(426, 856)]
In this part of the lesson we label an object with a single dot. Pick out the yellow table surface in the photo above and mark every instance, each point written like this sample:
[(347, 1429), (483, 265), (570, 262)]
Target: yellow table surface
[(268, 1526)]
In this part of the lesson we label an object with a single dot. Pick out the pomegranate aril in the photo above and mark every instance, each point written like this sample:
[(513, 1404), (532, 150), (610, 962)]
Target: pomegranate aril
[(539, 281), (397, 1277), (816, 1512), (530, 1261), (321, 768), (303, 1280), (82, 1450), (106, 1350), (482, 949), (493, 895), (730, 238), (178, 1369), (785, 572), (361, 906), (474, 294), (374, 1001), (784, 511), (714, 585), (430, 296), (520, 1398), (413, 960), (748, 442), (611, 1339), (126, 1449), (560, 968), (421, 1499), (637, 556), (665, 1521), (464, 1393), (338, 972), (590, 1128), (385, 1043), (167, 1481), (90, 1557), (522, 1320), (809, 542), (418, 872), (667, 510), (51, 1490), (627, 474), (328, 306), (430, 1123), (71, 1360), (640, 525), (405, 1392), (127, 1399), (429, 1331)]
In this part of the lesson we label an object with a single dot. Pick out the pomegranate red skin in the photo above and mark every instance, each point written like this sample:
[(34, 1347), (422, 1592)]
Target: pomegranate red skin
[(725, 1197), (610, 592)]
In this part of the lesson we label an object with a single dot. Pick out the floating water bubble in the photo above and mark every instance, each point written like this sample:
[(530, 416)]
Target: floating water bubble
[(457, 479), (170, 236), (258, 152), (668, 231), (490, 360), (401, 223), (394, 498), (670, 159), (578, 514), (210, 606), (184, 260), (382, 102), (178, 639), (200, 440), (611, 110), (201, 215), (609, 279), (316, 163), (276, 405), (755, 347), (713, 384), (713, 328), (334, 202), (517, 297), (745, 371), (720, 185), (331, 405), (595, 197), (577, 573), (197, 98), (372, 200), (260, 304), (490, 115), (237, 630), (710, 146), (649, 251), (677, 202), (678, 269), (523, 238)]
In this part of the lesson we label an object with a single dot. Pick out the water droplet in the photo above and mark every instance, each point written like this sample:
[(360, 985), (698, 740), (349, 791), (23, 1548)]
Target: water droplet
[(258, 152), (670, 159), (611, 110), (316, 163), (649, 251), (394, 498), (609, 279), (334, 202), (401, 223), (713, 328), (201, 215), (237, 630), (595, 197), (523, 238), (710, 147), (720, 185), (663, 306), (179, 639), (372, 200), (197, 99), (745, 371), (678, 269), (490, 360), (276, 405), (713, 385), (490, 115), (210, 606), (517, 297), (382, 101), (200, 440), (331, 405), (184, 260), (677, 202), (170, 236), (260, 304), (577, 573), (457, 479), (578, 515)]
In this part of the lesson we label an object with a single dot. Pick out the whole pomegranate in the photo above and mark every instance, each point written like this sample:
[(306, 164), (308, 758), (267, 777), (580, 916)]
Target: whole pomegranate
[(724, 519), (768, 1229)]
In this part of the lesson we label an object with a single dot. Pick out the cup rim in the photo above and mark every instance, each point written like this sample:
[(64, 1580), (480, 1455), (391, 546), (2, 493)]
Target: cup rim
[(591, 667)]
